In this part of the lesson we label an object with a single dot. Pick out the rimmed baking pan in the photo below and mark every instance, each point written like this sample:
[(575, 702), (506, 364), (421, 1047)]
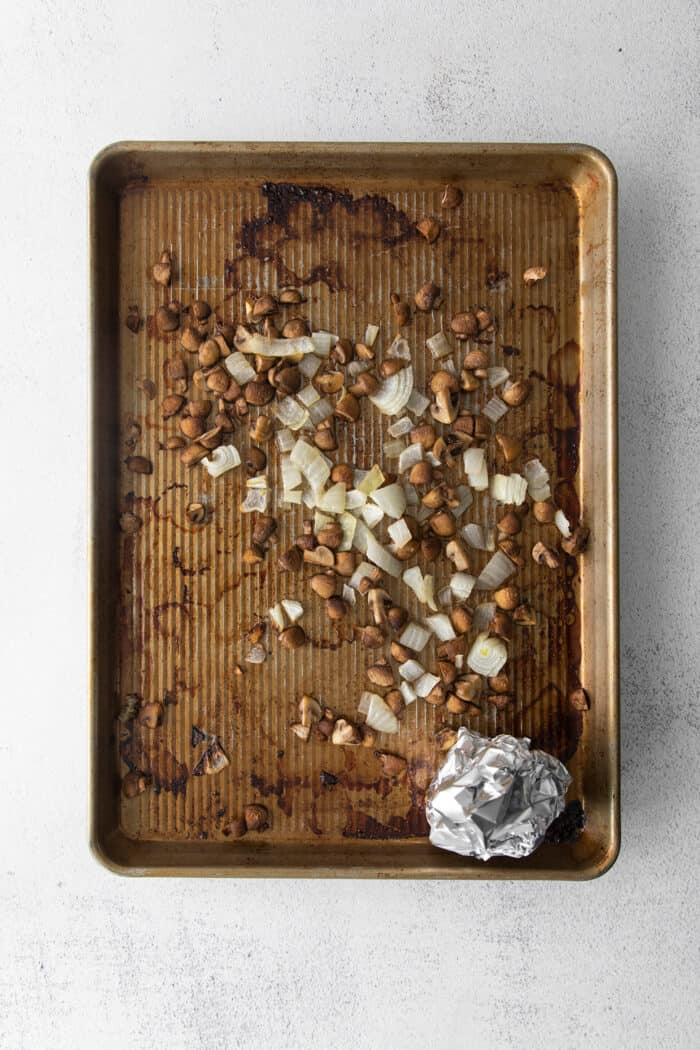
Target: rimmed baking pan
[(172, 601)]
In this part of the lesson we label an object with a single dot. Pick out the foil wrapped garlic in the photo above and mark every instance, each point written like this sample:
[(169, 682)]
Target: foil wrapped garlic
[(494, 797)]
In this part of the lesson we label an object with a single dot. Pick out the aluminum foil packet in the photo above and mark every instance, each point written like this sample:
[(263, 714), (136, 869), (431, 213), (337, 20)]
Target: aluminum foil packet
[(494, 797)]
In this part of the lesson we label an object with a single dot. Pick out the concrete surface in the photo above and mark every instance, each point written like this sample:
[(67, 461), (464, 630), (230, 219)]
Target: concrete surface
[(89, 960)]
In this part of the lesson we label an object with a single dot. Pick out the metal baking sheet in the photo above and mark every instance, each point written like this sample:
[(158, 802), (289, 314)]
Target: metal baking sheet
[(170, 605)]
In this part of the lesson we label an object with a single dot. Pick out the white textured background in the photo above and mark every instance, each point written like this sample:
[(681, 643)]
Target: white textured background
[(89, 960)]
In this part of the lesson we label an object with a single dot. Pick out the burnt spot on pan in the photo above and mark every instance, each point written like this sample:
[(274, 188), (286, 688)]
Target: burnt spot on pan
[(144, 751), (547, 316)]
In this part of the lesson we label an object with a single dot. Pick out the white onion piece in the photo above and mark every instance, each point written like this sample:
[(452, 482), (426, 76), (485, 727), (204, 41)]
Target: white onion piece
[(257, 654), (408, 693), (508, 488), (309, 497), (291, 475), (417, 403), (445, 596), (221, 459), (308, 395), (394, 392), (309, 365), (362, 570), (415, 637), (259, 482), (537, 477), (393, 449), (399, 349), (562, 523), (321, 519), (290, 413), (256, 499), (487, 656), (462, 585), (372, 479), (276, 614), (355, 499), (371, 514), (238, 366), (438, 345), (320, 410), (348, 523), (391, 498), (428, 592), (473, 459), (441, 627), (378, 714), (466, 498), (425, 684), (354, 368), (254, 343), (497, 375), (474, 535), (495, 572), (349, 595), (413, 578), (333, 499), (382, 558), (411, 670), (401, 427), (285, 440), (409, 457), (294, 610), (371, 333), (321, 343), (483, 615), (410, 494), (292, 496), (479, 482), (459, 661), (400, 532), (433, 460), (449, 366), (361, 537), (494, 409)]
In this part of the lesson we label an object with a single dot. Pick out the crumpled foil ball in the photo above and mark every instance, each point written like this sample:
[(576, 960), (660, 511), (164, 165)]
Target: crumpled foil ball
[(494, 797)]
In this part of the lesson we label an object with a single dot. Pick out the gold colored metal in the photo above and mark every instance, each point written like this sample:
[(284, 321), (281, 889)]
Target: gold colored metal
[(172, 624)]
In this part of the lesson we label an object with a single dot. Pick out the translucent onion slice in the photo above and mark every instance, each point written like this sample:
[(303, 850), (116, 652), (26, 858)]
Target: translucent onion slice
[(494, 409), (348, 523), (320, 410), (276, 614), (441, 627), (462, 585), (362, 570), (285, 440), (308, 395), (371, 514), (349, 595), (222, 459), (537, 477), (497, 375), (321, 519), (562, 523), (425, 684), (409, 457), (293, 609), (496, 571), (401, 427), (309, 365), (259, 482), (373, 479), (393, 449), (238, 366), (254, 343), (378, 714), (322, 343), (333, 499), (291, 414), (391, 498), (394, 393), (474, 535), (466, 498), (292, 496), (291, 475), (487, 656), (382, 558), (371, 333), (508, 488), (408, 693), (415, 637), (438, 345), (256, 500), (479, 482), (473, 459), (417, 403), (361, 537), (399, 349), (355, 499), (411, 670), (400, 532), (483, 615)]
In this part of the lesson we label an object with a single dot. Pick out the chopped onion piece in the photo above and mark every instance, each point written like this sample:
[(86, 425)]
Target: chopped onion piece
[(290, 413), (333, 499), (415, 637), (400, 532), (508, 488), (413, 578), (309, 498), (433, 460), (393, 449), (309, 365), (479, 482), (562, 523), (355, 499), (417, 403), (438, 345), (474, 535), (474, 460), (461, 585), (411, 671), (449, 366), (322, 343), (348, 594), (378, 714), (394, 392), (382, 558), (401, 427), (408, 693), (256, 499), (254, 343), (410, 494), (362, 570), (285, 440), (321, 519), (308, 395), (399, 349), (459, 661), (221, 459), (259, 482), (371, 515), (497, 375), (441, 627), (292, 496), (276, 614), (425, 684), (487, 656), (354, 368), (257, 654), (348, 523), (371, 333), (293, 609), (391, 498), (537, 477), (445, 596), (466, 499), (483, 615), (409, 457), (496, 571), (361, 537), (317, 474), (291, 475), (373, 479), (494, 409), (238, 366), (320, 410)]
